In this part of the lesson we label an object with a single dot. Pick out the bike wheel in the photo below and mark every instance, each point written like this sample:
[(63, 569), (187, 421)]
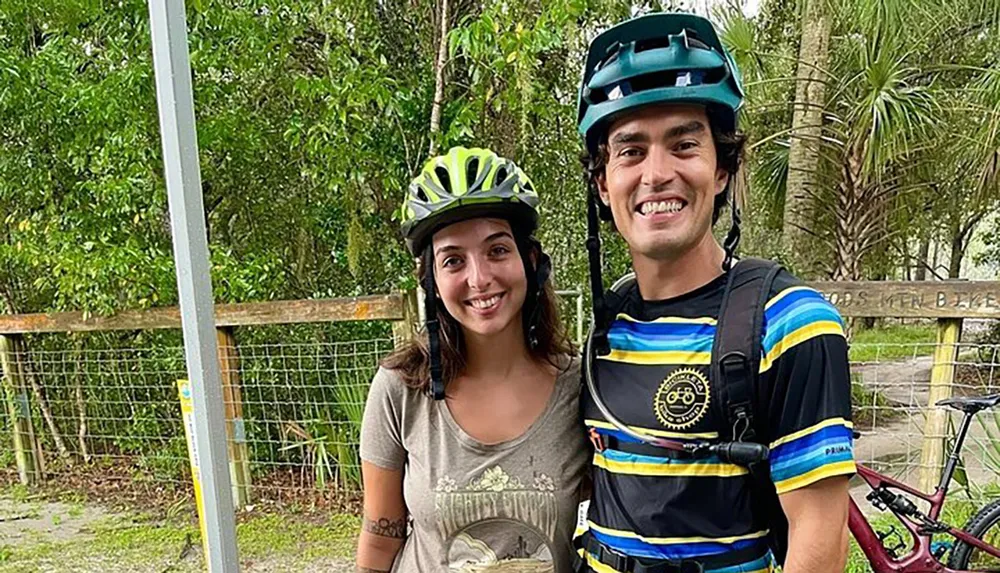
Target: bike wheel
[(984, 525)]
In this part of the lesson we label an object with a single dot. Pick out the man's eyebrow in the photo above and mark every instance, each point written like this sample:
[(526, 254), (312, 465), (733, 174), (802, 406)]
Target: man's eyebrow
[(689, 128), (692, 127), (623, 137)]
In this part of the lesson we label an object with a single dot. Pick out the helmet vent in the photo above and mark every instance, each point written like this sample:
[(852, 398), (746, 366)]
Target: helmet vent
[(501, 176), (419, 192), (471, 171), (444, 178)]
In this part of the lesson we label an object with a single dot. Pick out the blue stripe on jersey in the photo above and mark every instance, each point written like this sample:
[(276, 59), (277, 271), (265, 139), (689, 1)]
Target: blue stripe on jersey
[(638, 547), (793, 310), (762, 565), (661, 336), (826, 446)]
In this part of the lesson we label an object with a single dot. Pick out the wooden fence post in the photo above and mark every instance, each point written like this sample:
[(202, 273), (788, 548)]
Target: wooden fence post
[(232, 397), (936, 425), (27, 451), (407, 328)]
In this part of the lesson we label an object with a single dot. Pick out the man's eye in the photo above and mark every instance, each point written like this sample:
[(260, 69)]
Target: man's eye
[(687, 145), (630, 152)]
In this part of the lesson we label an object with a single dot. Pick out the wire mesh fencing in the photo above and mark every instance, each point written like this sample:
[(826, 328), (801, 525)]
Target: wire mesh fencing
[(892, 398), (105, 412)]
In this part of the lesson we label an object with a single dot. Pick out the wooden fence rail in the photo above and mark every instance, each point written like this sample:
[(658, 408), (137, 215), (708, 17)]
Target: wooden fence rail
[(399, 308), (948, 302)]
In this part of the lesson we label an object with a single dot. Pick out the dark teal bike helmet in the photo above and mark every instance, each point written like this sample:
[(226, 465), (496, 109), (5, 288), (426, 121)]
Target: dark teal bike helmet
[(653, 59)]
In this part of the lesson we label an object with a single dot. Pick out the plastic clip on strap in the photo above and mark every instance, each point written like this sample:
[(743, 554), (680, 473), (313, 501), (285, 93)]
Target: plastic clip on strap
[(735, 369)]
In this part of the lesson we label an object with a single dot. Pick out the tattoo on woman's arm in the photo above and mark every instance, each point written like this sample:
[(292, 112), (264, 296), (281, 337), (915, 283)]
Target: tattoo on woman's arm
[(385, 527)]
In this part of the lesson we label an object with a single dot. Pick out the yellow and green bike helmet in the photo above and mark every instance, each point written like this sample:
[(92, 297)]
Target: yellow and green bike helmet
[(465, 184)]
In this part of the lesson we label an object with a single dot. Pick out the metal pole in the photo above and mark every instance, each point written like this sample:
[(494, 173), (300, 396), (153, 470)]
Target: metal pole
[(182, 173)]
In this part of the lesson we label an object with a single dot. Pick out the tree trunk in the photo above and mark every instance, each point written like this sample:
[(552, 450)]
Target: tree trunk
[(920, 269), (439, 65), (803, 154), (957, 252), (43, 403), (848, 240)]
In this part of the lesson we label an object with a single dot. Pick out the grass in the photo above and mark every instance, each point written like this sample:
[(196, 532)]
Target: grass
[(865, 403), (129, 543), (892, 342)]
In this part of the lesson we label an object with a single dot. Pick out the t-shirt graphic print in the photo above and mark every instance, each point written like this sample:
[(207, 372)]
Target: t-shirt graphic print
[(469, 518)]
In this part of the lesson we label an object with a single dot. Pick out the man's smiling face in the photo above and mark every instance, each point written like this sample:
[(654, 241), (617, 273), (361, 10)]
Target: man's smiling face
[(661, 179)]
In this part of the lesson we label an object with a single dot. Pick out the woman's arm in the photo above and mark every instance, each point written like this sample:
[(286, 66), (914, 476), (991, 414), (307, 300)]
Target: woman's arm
[(383, 525)]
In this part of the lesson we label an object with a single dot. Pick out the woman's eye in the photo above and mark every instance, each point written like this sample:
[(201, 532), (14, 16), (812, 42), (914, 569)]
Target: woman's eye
[(499, 250), (450, 262)]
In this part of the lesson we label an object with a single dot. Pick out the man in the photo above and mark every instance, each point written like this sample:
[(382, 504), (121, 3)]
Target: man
[(658, 112)]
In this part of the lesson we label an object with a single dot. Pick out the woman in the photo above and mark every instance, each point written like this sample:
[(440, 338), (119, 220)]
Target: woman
[(471, 446)]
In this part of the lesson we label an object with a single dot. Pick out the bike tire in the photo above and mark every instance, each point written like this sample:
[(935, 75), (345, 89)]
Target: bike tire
[(977, 526)]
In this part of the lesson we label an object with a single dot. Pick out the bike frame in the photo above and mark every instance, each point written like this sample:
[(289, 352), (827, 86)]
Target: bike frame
[(920, 558)]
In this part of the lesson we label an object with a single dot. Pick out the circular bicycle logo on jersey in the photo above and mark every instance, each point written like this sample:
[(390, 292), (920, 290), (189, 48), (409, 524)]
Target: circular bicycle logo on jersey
[(682, 399)]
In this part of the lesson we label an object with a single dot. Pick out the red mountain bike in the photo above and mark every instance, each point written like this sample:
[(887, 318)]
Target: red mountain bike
[(972, 549)]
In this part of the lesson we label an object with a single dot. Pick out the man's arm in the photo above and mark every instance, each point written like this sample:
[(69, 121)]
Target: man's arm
[(383, 526), (817, 526)]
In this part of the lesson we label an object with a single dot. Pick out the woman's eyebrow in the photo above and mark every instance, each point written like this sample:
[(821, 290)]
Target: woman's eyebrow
[(498, 235)]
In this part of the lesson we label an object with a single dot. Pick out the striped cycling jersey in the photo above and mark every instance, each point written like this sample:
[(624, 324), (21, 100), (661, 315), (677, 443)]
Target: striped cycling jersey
[(656, 378)]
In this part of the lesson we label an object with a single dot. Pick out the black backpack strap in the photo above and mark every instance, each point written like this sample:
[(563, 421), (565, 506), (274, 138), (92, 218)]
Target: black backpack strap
[(736, 350)]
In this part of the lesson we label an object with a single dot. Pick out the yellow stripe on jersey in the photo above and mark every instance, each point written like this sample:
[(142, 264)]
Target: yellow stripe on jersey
[(658, 433), (674, 540), (677, 357), (787, 292), (668, 469), (809, 430), (799, 336), (822, 472), (669, 319), (598, 567)]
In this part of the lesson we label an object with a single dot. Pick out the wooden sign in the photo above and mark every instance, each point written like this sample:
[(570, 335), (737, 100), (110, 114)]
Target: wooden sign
[(912, 299)]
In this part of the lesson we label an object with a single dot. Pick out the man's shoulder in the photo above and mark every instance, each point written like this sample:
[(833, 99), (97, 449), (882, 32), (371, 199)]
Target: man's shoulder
[(794, 314), (791, 295)]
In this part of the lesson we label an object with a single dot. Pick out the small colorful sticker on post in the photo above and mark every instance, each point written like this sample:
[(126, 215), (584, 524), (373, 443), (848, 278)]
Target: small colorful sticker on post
[(187, 415)]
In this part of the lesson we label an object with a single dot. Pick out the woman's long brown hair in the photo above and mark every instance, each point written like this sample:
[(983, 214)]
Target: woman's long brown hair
[(412, 359)]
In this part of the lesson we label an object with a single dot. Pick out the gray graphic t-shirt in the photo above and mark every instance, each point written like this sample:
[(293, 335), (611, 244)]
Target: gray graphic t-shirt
[(475, 507)]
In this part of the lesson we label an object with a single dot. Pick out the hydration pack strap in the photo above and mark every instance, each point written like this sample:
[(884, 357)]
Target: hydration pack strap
[(736, 350)]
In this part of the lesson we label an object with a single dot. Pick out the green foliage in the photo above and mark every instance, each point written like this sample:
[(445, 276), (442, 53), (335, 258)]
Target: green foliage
[(892, 342)]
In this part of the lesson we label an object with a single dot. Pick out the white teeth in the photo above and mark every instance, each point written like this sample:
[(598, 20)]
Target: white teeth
[(671, 206), (486, 303)]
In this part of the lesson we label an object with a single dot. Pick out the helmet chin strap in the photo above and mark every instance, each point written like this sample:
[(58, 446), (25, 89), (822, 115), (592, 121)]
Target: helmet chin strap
[(732, 241), (433, 324), (536, 274)]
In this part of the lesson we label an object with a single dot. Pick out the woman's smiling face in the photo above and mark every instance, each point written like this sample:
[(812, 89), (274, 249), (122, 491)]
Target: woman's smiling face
[(480, 275)]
